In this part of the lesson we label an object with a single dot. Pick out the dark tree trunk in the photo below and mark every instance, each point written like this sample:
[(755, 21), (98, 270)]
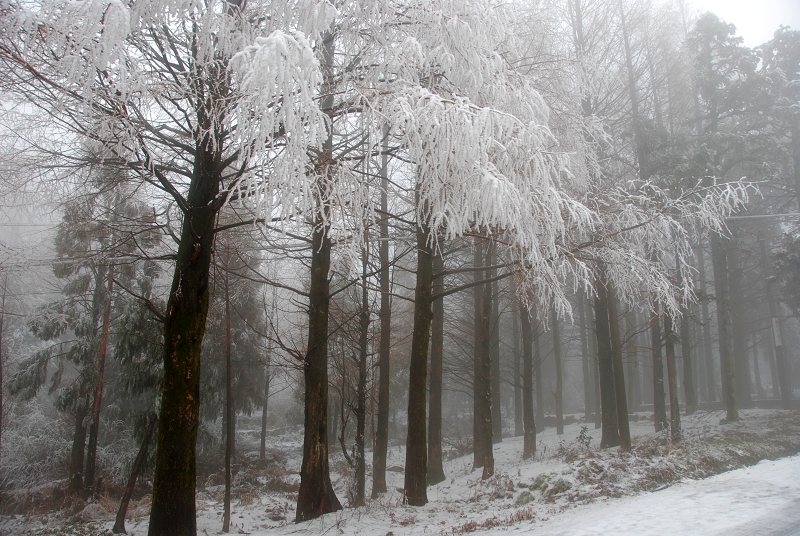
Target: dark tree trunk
[(688, 364), (361, 391), (229, 411), (416, 447), (686, 353), (173, 510), (78, 447), (672, 377), (94, 427), (529, 437), (586, 359), (262, 455), (608, 401), (559, 394), (494, 349), (384, 344), (537, 374), (659, 408), (136, 469), (781, 364), (719, 257), (435, 466), (598, 414), (742, 367), (316, 496), (481, 380), (756, 368), (619, 371), (632, 357), (711, 391), (518, 420)]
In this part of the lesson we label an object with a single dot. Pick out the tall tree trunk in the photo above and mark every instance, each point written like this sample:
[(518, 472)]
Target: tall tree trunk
[(316, 496), (136, 469), (435, 466), (719, 255), (781, 363), (619, 371), (632, 358), (361, 392), (537, 374), (688, 364), (608, 404), (559, 394), (94, 427), (672, 378), (416, 448), (518, 418), (384, 344), (586, 359), (481, 380), (742, 367), (686, 353), (756, 369), (494, 348), (78, 446), (229, 411), (262, 455), (173, 510), (529, 437), (708, 361), (659, 408)]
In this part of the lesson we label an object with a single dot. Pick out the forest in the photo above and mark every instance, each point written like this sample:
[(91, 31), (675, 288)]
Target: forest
[(388, 267)]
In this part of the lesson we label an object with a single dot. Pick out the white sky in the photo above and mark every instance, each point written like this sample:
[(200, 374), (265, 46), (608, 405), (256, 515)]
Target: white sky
[(755, 20)]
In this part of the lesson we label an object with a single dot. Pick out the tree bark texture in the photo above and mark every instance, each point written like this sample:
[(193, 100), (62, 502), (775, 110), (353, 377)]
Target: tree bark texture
[(719, 255), (361, 391), (435, 466), (384, 344), (481, 380), (708, 363), (229, 411), (659, 407), (529, 434), (781, 364), (97, 403), (262, 455), (741, 366), (586, 361), (316, 496), (608, 401), (619, 370), (494, 348), (515, 335), (559, 393), (173, 509), (416, 449), (672, 380)]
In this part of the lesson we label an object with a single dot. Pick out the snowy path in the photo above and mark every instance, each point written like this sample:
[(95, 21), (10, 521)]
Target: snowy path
[(763, 499)]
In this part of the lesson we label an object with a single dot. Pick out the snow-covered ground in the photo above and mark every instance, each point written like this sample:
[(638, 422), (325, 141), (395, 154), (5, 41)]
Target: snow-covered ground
[(571, 487), (763, 500)]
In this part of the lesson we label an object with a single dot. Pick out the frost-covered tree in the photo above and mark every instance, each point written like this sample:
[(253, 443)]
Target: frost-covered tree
[(197, 100)]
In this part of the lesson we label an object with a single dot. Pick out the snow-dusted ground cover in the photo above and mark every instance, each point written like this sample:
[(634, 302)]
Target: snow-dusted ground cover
[(570, 482), (763, 499)]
